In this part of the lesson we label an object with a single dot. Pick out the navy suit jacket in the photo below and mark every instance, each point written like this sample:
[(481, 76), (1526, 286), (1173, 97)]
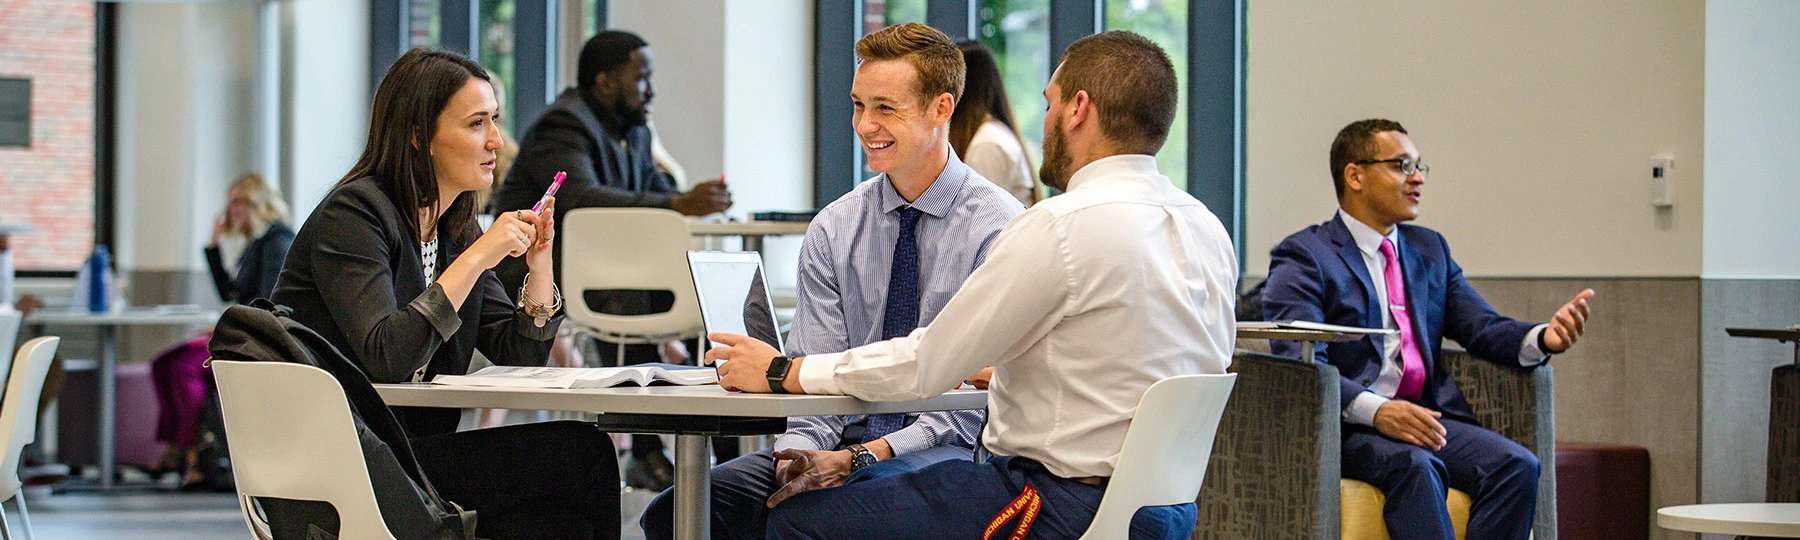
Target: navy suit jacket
[(1319, 275)]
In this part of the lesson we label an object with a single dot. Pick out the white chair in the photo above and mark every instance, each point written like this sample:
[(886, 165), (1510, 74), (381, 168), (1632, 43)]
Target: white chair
[(628, 248), (1163, 461), (292, 437), (18, 420)]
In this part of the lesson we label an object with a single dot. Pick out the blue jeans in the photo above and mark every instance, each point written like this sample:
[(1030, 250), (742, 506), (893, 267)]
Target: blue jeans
[(957, 499), (741, 489)]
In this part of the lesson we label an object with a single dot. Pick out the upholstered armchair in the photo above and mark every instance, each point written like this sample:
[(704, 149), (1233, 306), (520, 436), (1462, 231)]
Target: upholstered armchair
[(1275, 473)]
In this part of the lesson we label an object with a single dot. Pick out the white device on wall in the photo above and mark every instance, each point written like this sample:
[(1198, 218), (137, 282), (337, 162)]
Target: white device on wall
[(1662, 185)]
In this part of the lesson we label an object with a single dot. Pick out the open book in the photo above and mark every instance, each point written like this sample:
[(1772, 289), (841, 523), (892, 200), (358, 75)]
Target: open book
[(561, 377), (1309, 325)]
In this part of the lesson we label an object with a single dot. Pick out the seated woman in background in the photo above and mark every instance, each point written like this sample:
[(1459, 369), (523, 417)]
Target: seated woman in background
[(249, 240), (982, 130), (393, 270)]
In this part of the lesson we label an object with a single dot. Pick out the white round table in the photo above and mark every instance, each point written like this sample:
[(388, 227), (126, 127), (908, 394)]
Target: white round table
[(1744, 519)]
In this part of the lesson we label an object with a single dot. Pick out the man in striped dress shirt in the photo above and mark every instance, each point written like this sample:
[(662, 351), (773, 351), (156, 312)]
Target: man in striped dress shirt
[(875, 264)]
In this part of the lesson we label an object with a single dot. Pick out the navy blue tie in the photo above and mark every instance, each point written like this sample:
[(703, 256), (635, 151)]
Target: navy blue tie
[(901, 315)]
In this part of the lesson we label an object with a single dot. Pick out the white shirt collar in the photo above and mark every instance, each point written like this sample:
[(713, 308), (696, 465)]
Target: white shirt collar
[(1368, 240), (1123, 164)]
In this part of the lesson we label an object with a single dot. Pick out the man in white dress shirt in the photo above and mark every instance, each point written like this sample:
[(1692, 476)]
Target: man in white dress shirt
[(1085, 300)]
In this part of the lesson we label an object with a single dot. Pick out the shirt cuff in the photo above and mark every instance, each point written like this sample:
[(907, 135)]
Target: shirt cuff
[(435, 306), (1529, 353), (818, 372), (527, 326), (912, 438), (795, 441), (1362, 409)]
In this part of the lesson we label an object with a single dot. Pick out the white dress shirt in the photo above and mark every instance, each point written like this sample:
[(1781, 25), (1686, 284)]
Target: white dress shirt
[(1368, 241), (1085, 300), (996, 153)]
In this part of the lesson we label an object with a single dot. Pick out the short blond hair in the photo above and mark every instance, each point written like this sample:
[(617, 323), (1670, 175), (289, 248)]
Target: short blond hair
[(266, 207), (931, 52)]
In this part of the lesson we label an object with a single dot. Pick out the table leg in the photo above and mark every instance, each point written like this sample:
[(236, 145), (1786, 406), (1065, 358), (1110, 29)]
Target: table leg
[(108, 403), (753, 242), (1306, 351), (693, 493)]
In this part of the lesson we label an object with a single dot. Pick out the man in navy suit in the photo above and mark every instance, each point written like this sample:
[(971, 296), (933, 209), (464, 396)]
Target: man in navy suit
[(1407, 429)]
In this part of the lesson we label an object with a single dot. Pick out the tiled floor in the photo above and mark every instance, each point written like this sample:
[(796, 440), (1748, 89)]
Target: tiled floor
[(159, 515)]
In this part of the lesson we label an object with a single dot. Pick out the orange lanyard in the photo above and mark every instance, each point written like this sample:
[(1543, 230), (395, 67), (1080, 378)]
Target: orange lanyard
[(1027, 503)]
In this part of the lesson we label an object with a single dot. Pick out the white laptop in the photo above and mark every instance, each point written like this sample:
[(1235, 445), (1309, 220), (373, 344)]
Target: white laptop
[(733, 296)]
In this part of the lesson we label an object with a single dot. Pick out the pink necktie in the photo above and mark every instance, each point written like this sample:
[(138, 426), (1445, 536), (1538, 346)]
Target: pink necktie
[(1412, 368)]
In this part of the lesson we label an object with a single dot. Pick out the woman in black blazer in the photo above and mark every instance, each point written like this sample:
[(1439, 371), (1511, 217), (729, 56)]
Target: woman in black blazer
[(393, 270)]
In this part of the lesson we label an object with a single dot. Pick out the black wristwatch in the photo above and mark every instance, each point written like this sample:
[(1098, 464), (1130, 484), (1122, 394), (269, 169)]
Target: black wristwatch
[(860, 457), (778, 371)]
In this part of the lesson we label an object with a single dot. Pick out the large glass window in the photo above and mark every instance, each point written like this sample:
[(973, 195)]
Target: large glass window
[(1018, 31), (1165, 23), (422, 23), (879, 14), (497, 55)]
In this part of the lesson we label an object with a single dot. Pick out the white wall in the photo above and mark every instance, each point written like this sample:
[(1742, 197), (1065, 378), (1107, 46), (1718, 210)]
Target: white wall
[(1752, 138), (687, 38), (1538, 118), (325, 95), (184, 89), (768, 116), (734, 97)]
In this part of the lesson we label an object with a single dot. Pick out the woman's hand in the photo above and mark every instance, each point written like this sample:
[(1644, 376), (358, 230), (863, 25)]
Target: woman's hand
[(218, 230), (543, 238), (510, 236)]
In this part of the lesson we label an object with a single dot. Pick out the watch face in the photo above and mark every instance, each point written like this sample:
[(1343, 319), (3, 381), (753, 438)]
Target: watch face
[(778, 367)]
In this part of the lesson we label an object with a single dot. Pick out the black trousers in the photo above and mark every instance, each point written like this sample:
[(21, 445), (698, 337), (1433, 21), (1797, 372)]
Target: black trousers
[(547, 480)]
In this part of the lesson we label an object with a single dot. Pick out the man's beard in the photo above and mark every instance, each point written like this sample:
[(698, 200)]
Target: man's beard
[(1055, 169), (629, 115)]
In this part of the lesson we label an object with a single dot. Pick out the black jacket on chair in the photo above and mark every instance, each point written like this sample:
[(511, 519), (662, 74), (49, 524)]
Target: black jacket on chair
[(354, 276)]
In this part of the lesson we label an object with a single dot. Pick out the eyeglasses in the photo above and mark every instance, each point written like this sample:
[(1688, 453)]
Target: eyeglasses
[(1408, 167)]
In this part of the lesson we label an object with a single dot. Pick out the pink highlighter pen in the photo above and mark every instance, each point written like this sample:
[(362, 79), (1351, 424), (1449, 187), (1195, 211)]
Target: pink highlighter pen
[(539, 207)]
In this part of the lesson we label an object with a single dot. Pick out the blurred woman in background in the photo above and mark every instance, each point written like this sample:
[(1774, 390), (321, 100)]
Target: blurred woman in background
[(982, 129), (250, 238)]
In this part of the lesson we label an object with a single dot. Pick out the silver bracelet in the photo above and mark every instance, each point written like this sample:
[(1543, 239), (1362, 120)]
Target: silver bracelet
[(540, 314)]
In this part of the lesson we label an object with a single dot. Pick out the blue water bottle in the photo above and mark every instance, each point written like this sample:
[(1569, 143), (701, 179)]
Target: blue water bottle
[(97, 286)]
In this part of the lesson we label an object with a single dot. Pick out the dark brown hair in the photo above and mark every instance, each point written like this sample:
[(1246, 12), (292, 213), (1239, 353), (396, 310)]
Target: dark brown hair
[(1132, 85), (1356, 142), (984, 97), (930, 51), (402, 122)]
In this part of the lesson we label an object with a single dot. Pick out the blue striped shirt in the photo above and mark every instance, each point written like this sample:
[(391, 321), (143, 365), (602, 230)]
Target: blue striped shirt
[(844, 266)]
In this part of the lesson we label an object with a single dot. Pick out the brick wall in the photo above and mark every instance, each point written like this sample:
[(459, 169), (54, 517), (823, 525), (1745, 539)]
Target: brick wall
[(50, 185)]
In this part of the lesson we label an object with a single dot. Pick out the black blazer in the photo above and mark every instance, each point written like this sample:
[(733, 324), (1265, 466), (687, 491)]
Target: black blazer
[(257, 268), (354, 276)]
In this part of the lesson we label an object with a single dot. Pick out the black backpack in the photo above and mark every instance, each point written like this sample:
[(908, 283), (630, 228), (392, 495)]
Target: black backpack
[(409, 505)]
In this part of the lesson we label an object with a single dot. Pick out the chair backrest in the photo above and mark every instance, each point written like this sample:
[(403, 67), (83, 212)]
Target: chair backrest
[(1163, 461), (292, 437), (628, 248), (18, 409)]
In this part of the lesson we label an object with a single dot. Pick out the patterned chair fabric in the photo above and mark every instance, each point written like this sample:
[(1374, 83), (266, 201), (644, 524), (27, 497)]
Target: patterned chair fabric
[(1275, 472)]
